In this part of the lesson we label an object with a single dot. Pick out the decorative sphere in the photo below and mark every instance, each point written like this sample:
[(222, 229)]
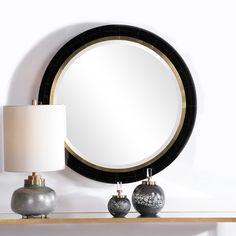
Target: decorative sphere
[(33, 200), (119, 207), (148, 200)]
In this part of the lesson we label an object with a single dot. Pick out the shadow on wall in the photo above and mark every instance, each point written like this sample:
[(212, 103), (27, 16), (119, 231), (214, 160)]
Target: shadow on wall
[(113, 229), (27, 77), (25, 83)]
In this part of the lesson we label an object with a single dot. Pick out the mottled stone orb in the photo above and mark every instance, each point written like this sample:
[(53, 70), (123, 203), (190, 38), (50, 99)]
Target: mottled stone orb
[(148, 199)]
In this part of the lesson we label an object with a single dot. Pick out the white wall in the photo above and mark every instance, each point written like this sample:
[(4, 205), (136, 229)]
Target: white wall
[(203, 177)]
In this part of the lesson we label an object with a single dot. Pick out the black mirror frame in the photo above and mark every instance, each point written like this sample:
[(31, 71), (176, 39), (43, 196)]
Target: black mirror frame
[(191, 102)]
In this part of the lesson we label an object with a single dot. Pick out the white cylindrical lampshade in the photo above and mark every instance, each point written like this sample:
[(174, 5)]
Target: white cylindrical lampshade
[(34, 138)]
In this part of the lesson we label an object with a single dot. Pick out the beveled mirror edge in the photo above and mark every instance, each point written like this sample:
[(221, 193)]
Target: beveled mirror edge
[(185, 83), (182, 91)]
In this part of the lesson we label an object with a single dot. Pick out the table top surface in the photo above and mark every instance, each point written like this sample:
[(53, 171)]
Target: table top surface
[(132, 217)]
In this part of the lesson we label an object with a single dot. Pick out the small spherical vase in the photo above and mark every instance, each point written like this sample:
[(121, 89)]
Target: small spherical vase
[(119, 207), (148, 199), (33, 200)]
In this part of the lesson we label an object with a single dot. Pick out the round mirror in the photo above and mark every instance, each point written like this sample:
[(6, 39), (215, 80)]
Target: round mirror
[(130, 102)]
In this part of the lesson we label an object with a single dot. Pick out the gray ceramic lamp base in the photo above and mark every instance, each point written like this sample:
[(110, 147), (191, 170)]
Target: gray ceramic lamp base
[(33, 200)]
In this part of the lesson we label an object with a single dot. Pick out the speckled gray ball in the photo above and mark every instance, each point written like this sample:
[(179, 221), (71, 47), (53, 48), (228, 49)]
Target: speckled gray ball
[(148, 200)]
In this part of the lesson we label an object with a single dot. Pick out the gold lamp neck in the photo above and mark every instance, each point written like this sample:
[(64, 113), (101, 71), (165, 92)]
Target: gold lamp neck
[(35, 180)]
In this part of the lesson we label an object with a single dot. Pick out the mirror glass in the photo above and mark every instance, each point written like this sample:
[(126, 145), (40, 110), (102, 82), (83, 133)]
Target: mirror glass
[(124, 101)]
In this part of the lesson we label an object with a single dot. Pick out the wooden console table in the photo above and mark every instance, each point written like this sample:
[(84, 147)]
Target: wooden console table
[(164, 217)]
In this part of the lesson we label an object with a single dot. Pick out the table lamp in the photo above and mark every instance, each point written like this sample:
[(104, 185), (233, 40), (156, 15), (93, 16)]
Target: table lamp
[(34, 138)]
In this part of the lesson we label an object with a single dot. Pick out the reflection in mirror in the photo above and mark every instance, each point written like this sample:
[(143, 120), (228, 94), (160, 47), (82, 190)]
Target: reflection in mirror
[(124, 103)]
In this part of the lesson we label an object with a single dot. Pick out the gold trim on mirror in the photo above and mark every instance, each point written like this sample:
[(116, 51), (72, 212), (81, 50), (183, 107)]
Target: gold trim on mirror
[(177, 76)]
